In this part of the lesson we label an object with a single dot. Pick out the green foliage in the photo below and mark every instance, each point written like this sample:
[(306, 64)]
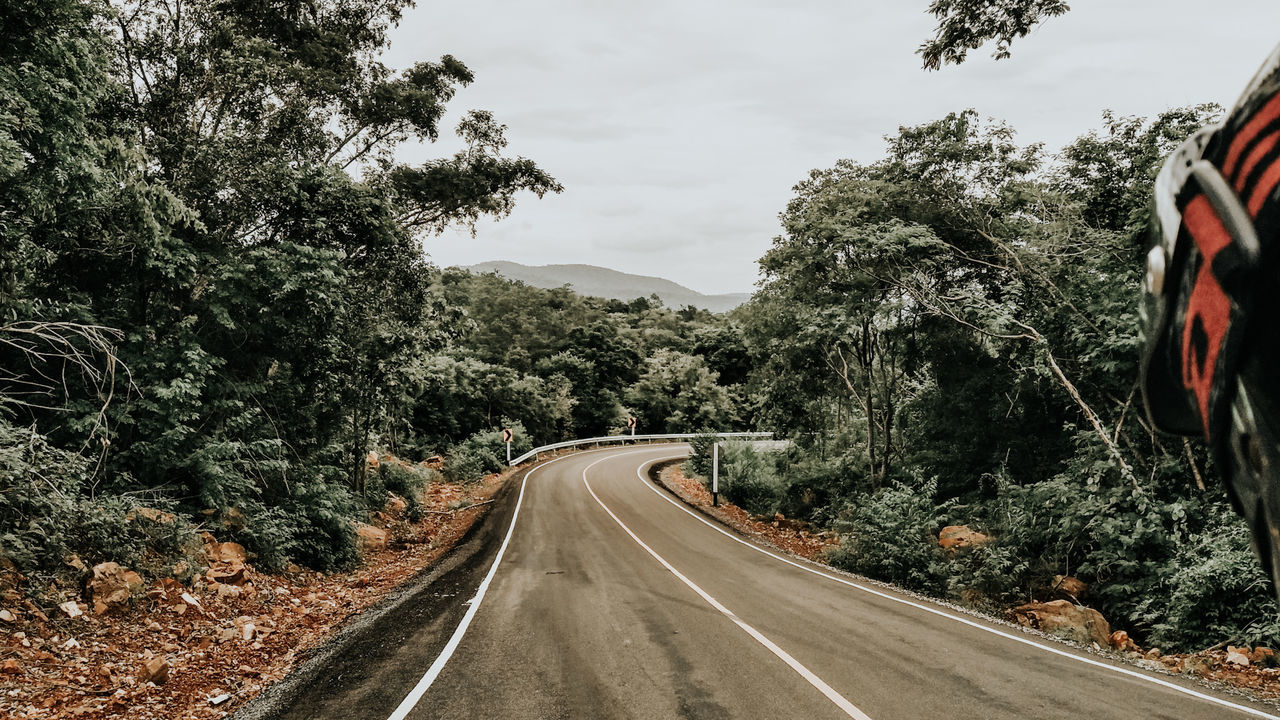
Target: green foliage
[(46, 515), (965, 25), (889, 536), (677, 393), (700, 454), (1214, 590), (749, 479), (484, 452)]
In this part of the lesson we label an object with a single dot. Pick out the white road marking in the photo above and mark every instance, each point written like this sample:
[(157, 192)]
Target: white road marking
[(1088, 661), (794, 664), (473, 605)]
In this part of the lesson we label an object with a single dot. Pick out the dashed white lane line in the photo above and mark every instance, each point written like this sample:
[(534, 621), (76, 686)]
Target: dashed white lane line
[(1088, 661), (473, 605), (835, 697)]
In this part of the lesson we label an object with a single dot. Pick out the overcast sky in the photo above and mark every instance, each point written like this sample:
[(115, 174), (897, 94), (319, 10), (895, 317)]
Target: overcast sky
[(679, 127)]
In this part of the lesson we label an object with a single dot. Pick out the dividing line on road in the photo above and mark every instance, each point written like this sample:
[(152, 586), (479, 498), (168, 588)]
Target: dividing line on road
[(473, 605), (835, 697), (1088, 661)]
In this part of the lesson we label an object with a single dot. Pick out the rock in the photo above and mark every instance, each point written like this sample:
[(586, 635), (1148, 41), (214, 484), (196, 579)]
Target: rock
[(155, 670), (1238, 656), (71, 608), (191, 600), (10, 667), (958, 536), (1070, 586), (1263, 656), (1198, 665), (76, 563), (370, 538), (111, 586), (1119, 640), (8, 616), (372, 459), (246, 627), (230, 552), (226, 573), (396, 506), (1153, 654), (1065, 619)]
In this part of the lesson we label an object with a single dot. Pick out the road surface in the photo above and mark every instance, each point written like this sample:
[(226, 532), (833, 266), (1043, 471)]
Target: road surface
[(610, 600)]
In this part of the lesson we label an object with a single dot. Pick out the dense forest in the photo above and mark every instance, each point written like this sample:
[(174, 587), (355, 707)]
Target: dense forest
[(214, 303)]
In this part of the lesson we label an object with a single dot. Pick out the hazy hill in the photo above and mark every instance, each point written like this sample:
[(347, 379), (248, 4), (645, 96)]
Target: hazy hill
[(606, 283)]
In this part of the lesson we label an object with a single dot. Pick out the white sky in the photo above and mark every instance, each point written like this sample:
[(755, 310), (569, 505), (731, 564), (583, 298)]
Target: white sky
[(678, 127)]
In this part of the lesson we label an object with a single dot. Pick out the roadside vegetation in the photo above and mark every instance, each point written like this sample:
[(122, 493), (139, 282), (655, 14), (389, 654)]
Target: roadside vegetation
[(950, 335), (215, 308), (216, 315)]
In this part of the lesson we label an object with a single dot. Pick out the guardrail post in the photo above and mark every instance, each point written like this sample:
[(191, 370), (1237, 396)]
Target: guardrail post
[(715, 475)]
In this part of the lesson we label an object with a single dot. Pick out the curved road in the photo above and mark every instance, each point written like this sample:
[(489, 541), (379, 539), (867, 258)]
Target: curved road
[(609, 599)]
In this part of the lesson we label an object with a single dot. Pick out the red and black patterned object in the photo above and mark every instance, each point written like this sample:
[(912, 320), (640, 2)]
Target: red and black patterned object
[(1211, 302)]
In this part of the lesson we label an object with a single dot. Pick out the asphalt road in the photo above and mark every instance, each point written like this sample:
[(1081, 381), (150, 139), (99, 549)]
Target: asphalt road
[(609, 599)]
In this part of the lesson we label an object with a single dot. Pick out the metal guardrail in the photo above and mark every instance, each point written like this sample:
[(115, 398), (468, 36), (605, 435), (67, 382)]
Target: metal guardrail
[(631, 438)]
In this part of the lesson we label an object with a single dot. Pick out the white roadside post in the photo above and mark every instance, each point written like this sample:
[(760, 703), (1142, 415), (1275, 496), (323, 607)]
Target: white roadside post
[(715, 475), (506, 437)]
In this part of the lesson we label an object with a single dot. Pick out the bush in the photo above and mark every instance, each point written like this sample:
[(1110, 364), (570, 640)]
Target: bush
[(889, 536), (750, 479), (45, 516), (699, 462), (483, 453), (317, 527), (1218, 590)]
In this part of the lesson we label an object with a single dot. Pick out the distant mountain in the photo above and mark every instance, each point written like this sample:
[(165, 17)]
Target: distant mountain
[(611, 284)]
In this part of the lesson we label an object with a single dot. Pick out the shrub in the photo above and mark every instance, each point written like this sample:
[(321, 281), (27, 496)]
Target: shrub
[(889, 536), (45, 516), (317, 527), (750, 479), (699, 462), (483, 453), (1217, 590)]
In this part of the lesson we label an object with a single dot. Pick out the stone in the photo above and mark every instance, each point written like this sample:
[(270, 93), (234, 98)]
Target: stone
[(1238, 656), (1198, 665), (155, 670), (396, 506), (71, 608), (233, 519), (954, 537), (1065, 619), (111, 586), (370, 538), (230, 552), (1119, 640), (1153, 654), (226, 573), (152, 514), (1070, 586), (1263, 656), (8, 616), (11, 667)]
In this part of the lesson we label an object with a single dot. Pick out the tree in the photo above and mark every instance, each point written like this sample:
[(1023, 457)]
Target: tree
[(965, 25), (677, 393)]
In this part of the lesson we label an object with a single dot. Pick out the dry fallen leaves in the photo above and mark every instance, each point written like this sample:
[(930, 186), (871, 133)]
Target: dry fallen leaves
[(202, 651)]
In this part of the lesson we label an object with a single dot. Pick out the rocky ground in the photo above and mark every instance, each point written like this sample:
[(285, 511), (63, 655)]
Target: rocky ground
[(125, 649), (1252, 670)]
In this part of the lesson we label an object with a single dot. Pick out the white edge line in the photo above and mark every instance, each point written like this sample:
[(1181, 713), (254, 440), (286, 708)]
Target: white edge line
[(1025, 641), (830, 693), (473, 605)]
